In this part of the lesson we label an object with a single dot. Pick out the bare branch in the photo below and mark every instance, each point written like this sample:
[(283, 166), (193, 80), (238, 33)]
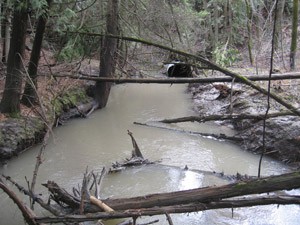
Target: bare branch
[(28, 214)]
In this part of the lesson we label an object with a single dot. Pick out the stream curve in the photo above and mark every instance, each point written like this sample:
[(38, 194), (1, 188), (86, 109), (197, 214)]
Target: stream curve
[(102, 139)]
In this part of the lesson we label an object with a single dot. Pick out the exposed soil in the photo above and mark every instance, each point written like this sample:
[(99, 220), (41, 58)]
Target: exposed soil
[(61, 98), (282, 136)]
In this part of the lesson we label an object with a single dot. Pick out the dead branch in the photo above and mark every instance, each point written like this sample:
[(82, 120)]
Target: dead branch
[(97, 183), (84, 191), (268, 90), (136, 150), (217, 136), (103, 172), (202, 119), (39, 161), (169, 219), (286, 76), (27, 213), (61, 196), (136, 159), (54, 210)]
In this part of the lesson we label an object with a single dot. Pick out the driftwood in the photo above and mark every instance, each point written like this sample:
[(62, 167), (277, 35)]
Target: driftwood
[(136, 152), (194, 200), (202, 119), (136, 159), (217, 136), (188, 201), (196, 207)]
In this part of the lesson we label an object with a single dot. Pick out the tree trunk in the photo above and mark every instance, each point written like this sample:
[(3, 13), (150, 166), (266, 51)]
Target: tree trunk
[(205, 80), (30, 95), (200, 195), (294, 34), (5, 30), (187, 208), (107, 55), (216, 23), (10, 102), (278, 25)]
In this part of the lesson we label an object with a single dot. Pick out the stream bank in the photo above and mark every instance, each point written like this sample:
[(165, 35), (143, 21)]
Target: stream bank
[(20, 133), (282, 136), (282, 133)]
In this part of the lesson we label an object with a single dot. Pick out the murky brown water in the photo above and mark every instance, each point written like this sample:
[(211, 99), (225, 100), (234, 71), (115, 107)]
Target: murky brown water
[(102, 139)]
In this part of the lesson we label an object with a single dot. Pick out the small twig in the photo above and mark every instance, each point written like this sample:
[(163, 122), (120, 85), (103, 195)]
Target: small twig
[(39, 161), (169, 219), (269, 90), (96, 186), (103, 173), (31, 202)]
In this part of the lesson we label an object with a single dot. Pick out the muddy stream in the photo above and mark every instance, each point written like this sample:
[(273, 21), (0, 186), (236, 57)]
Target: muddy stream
[(102, 139)]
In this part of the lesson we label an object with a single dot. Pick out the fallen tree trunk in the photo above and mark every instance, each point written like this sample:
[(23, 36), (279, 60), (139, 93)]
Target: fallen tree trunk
[(194, 200), (217, 136), (202, 119), (283, 200), (203, 195), (287, 76)]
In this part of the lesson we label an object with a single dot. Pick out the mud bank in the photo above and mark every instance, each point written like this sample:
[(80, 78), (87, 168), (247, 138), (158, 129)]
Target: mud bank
[(23, 132), (282, 136)]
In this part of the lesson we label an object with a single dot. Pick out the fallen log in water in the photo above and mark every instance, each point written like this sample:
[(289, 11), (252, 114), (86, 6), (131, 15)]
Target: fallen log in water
[(196, 207), (217, 136), (202, 119), (203, 195), (194, 200)]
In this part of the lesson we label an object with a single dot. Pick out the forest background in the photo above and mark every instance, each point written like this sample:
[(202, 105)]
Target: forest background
[(234, 34)]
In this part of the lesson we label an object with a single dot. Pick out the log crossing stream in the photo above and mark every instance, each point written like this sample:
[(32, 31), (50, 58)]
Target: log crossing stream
[(102, 139)]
